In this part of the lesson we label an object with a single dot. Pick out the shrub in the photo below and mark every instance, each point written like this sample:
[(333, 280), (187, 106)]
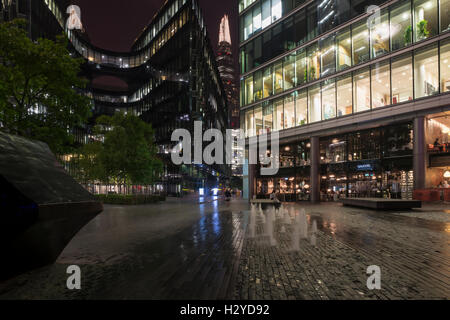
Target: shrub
[(135, 199)]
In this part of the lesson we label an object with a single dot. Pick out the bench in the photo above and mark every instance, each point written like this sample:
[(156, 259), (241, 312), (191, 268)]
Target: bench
[(381, 204), (266, 202)]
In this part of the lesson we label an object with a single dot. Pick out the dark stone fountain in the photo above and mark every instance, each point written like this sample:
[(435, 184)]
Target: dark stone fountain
[(41, 206)]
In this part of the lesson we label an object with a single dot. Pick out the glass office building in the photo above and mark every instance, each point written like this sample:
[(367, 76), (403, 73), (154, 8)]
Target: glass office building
[(170, 74), (364, 80)]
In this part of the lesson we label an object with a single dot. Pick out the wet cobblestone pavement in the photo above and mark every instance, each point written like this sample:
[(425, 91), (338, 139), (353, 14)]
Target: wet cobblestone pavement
[(190, 250)]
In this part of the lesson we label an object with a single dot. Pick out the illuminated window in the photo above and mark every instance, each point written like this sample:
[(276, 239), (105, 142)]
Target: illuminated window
[(400, 26), (258, 121), (445, 66), (343, 43), (278, 115), (267, 82), (379, 35), (361, 90), (344, 96), (381, 85), (301, 107), (402, 79), (426, 81), (328, 100), (289, 111), (289, 72), (300, 65), (425, 19), (276, 10), (314, 107), (360, 39), (268, 117)]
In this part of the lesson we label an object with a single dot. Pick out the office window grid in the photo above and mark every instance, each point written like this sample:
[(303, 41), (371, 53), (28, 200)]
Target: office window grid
[(398, 25), (421, 73)]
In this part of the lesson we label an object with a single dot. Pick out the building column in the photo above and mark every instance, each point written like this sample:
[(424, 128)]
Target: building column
[(251, 180), (419, 157), (315, 170)]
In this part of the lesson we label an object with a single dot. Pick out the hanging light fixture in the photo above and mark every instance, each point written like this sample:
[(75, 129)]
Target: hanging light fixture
[(447, 174)]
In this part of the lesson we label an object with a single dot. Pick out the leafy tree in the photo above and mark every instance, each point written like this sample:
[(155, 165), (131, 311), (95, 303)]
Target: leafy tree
[(127, 154), (88, 167), (39, 86)]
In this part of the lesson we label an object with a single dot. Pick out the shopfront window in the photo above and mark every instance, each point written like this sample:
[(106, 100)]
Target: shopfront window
[(287, 156), (364, 145), (333, 149), (303, 152), (300, 65), (401, 29), (426, 72), (397, 140), (267, 82), (301, 107), (361, 90), (360, 40), (289, 111), (289, 72), (328, 56), (314, 103), (402, 79), (343, 43), (278, 115), (344, 96), (379, 35), (267, 117), (425, 19), (445, 66), (329, 99), (381, 85), (259, 121), (278, 78)]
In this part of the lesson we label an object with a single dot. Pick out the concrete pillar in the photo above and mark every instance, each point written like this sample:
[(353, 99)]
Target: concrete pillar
[(419, 157), (251, 180), (315, 170)]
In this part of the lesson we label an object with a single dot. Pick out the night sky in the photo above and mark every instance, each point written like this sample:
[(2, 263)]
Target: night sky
[(115, 24)]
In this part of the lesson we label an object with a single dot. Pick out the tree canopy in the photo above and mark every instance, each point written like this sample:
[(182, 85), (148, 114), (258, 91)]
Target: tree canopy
[(40, 88), (123, 152)]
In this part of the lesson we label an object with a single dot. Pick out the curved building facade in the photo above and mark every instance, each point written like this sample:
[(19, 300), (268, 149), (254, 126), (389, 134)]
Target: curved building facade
[(171, 76)]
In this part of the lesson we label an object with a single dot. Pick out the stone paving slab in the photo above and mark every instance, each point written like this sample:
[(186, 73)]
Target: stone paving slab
[(191, 251)]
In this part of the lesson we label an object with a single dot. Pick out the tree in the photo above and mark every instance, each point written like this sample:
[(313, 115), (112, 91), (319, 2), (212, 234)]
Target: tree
[(127, 155), (39, 88)]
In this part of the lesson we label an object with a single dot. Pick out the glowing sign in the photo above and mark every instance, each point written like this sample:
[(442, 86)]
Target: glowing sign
[(74, 20), (364, 167)]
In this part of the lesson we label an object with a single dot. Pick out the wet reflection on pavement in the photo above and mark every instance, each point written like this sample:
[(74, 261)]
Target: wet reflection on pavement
[(222, 250)]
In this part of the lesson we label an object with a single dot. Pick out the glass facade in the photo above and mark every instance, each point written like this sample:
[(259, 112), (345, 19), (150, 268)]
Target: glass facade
[(318, 69), (382, 84), (367, 163), (398, 26)]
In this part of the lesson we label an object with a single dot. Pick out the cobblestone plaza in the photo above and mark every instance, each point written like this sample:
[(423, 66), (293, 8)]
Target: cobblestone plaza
[(203, 250)]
